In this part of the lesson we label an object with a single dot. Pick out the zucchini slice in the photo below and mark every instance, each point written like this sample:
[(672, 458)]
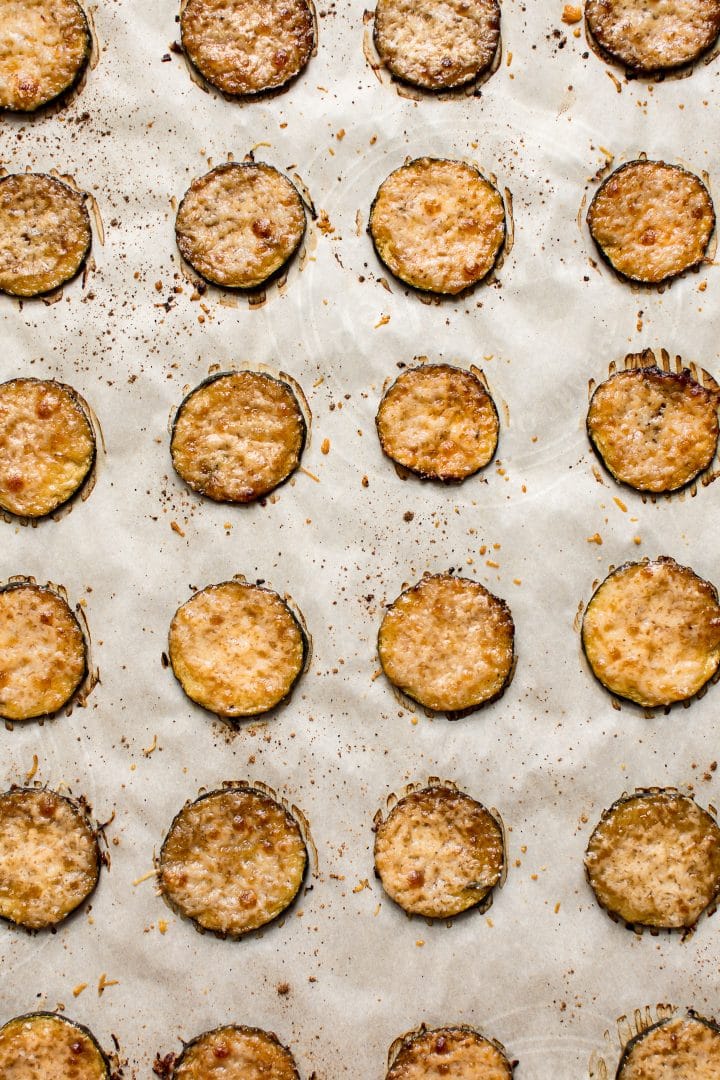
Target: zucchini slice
[(439, 852), (679, 1048), (652, 221), (438, 225), (236, 649), (49, 857), (47, 446), (235, 1052), (438, 421), (239, 224), (457, 1052), (654, 430), (654, 860), (232, 861), (43, 653), (650, 36), (437, 44), (42, 1045), (448, 643), (245, 47), (44, 49), (237, 436), (651, 632)]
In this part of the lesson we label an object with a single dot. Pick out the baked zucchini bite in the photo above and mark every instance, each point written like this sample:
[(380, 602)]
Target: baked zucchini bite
[(41, 1046), (654, 860), (47, 446), (653, 430), (448, 643), (44, 48), (236, 649), (652, 35), (43, 653), (652, 221), (244, 47), (49, 857), (683, 1047), (651, 632), (439, 852), (457, 1052), (437, 44), (438, 421), (438, 225), (232, 861), (237, 436), (240, 224), (235, 1053)]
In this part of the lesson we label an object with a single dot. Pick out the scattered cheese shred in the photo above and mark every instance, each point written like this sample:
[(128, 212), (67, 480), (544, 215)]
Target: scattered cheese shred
[(145, 877), (29, 775), (104, 982), (77, 991)]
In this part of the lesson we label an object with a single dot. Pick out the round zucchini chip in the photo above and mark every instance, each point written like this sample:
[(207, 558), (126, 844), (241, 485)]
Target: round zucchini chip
[(237, 436), (654, 860), (650, 36), (438, 421), (245, 47), (43, 653), (437, 44), (652, 221), (47, 446), (439, 853), (235, 1053), (44, 49), (232, 861), (448, 644), (240, 224), (682, 1047), (457, 1052), (44, 1045), (651, 632), (49, 857), (236, 649), (654, 430), (438, 225)]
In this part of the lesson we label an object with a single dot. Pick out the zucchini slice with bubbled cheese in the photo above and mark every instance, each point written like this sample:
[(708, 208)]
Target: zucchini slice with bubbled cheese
[(44, 49), (45, 1046), (651, 632), (679, 1048), (653, 35), (457, 1052), (235, 1052), (654, 860), (232, 861)]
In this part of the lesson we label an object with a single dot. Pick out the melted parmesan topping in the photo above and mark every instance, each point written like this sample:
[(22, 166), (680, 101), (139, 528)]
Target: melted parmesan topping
[(680, 1049), (44, 45), (449, 1052), (48, 1047), (654, 35), (235, 1053)]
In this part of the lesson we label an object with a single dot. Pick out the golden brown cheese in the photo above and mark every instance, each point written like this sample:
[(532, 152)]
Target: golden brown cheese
[(236, 649), (653, 35), (239, 224), (651, 632), (682, 1048), (232, 861), (453, 1052), (438, 225), (439, 852), (43, 655), (437, 44), (448, 643), (44, 47), (654, 860), (438, 421), (247, 46), (44, 1046), (651, 220), (235, 1053), (238, 436)]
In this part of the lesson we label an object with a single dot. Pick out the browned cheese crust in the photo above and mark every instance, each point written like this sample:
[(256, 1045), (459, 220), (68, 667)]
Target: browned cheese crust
[(235, 1053), (439, 852), (682, 1048), (437, 44), (448, 643), (651, 632), (236, 649), (44, 47), (458, 1053), (654, 430), (232, 861), (653, 35), (43, 655), (43, 1046), (438, 225), (651, 220), (238, 436), (239, 224), (438, 421), (654, 860), (244, 47)]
